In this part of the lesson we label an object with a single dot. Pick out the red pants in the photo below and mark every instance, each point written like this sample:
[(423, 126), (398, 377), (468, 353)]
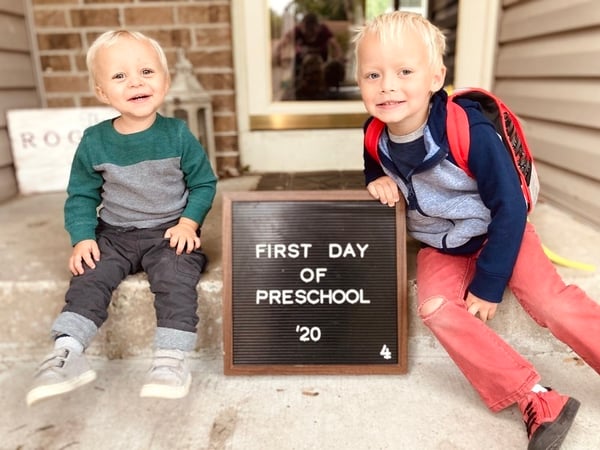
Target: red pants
[(498, 373)]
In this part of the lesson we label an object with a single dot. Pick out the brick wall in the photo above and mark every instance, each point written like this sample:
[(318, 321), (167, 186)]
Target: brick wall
[(65, 28)]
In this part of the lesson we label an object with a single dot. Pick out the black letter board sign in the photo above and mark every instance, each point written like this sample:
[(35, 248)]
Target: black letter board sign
[(314, 282)]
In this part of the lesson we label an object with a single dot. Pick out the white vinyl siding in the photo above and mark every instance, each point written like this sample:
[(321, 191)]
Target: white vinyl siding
[(17, 83), (548, 71)]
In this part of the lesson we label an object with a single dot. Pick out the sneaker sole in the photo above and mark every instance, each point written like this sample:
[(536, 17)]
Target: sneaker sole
[(552, 436), (164, 391), (51, 390)]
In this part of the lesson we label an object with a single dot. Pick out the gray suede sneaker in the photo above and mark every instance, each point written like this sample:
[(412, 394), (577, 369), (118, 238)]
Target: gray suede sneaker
[(62, 371), (168, 377)]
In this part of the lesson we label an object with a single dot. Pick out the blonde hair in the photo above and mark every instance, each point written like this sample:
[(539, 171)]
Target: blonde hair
[(391, 26), (110, 38)]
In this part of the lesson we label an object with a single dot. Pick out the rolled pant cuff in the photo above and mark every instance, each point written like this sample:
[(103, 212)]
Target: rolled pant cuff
[(76, 326), (170, 338)]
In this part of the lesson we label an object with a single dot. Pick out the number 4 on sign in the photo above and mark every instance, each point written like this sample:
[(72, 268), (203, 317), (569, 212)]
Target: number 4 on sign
[(385, 352)]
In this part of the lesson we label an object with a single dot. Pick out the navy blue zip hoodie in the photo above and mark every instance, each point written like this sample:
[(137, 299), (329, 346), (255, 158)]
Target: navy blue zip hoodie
[(455, 213)]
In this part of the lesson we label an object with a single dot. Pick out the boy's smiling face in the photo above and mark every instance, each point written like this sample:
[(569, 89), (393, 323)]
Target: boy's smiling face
[(396, 80), (129, 77)]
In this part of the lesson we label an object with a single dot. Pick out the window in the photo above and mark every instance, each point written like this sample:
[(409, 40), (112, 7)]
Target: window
[(312, 56), (267, 79)]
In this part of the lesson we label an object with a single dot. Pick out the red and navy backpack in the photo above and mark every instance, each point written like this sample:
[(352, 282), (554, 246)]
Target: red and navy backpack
[(507, 126)]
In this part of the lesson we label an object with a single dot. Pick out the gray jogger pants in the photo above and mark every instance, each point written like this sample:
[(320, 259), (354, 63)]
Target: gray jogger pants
[(173, 279)]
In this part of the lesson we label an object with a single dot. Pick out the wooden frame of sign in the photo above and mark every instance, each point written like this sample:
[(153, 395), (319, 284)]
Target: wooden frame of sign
[(313, 282)]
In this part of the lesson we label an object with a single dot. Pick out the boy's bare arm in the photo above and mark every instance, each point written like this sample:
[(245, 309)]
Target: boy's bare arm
[(385, 190), (183, 236)]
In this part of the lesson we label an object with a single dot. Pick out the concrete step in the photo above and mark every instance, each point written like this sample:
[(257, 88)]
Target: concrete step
[(432, 407), (34, 278)]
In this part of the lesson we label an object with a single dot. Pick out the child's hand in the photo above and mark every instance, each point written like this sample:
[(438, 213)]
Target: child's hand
[(477, 306), (385, 190), (183, 236), (85, 251)]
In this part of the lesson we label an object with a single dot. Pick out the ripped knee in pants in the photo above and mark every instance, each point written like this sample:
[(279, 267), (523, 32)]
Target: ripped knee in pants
[(430, 306)]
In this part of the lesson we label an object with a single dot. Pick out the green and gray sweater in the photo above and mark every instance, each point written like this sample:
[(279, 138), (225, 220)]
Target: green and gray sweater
[(139, 180)]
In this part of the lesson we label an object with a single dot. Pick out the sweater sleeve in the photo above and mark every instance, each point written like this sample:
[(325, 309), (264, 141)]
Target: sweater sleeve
[(199, 177), (83, 194), (500, 191)]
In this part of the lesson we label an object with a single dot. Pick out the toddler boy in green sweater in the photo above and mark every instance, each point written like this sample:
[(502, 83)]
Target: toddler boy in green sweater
[(139, 189)]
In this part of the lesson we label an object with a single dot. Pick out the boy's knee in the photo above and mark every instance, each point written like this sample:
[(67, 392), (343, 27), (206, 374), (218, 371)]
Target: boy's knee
[(430, 306)]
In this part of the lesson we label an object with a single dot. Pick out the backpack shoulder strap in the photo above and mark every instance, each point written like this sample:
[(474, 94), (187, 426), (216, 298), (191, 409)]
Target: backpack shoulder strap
[(372, 133), (457, 129)]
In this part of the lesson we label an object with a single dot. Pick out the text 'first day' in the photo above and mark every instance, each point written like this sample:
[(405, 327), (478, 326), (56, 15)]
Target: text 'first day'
[(302, 250)]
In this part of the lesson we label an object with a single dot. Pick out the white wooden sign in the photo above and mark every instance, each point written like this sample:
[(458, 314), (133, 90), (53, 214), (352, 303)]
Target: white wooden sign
[(43, 143)]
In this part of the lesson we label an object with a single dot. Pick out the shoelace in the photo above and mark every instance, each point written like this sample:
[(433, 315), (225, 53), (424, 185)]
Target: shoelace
[(531, 415)]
